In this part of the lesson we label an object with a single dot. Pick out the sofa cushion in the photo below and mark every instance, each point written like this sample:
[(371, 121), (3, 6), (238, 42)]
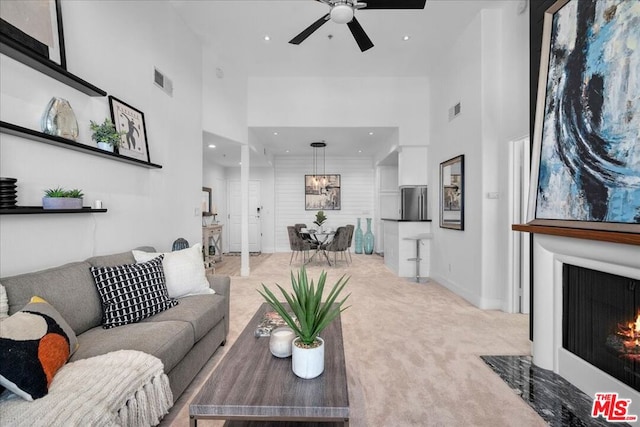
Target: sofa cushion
[(34, 343), (112, 260), (70, 289), (183, 269), (4, 303), (202, 312), (168, 341), (132, 292)]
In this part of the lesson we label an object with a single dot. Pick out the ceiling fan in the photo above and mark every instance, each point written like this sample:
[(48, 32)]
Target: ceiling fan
[(342, 12)]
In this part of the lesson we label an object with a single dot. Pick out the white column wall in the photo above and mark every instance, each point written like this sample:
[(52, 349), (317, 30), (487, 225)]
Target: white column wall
[(487, 72)]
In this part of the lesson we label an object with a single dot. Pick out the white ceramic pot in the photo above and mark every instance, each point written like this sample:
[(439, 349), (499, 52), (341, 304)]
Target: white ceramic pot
[(307, 363), (280, 341), (105, 146)]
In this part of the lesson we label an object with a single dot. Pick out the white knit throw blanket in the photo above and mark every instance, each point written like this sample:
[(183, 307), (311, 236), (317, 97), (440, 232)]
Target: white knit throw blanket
[(122, 388)]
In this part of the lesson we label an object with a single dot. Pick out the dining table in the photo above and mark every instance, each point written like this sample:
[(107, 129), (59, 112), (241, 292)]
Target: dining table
[(320, 239)]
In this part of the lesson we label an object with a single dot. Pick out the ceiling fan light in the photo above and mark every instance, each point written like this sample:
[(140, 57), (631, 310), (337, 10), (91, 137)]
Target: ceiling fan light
[(341, 14)]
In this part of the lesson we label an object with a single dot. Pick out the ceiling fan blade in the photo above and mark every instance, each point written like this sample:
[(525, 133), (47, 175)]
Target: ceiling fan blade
[(309, 30), (361, 37), (394, 4)]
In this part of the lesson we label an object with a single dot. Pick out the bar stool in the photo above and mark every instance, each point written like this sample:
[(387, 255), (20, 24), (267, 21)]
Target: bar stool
[(418, 238)]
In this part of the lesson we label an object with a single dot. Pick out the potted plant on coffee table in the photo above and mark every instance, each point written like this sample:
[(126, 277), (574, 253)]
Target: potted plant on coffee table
[(312, 315), (106, 135), (59, 198)]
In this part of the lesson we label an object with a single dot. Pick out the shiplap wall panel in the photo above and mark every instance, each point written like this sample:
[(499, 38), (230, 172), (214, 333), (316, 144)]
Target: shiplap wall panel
[(357, 194)]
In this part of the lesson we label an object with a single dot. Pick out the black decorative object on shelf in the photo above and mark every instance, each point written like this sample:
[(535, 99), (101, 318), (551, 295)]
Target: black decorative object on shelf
[(8, 192), (23, 132)]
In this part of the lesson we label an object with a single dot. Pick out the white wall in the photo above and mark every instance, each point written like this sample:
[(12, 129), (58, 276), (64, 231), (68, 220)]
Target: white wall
[(224, 97), (357, 194), (321, 101), (113, 45), (487, 71)]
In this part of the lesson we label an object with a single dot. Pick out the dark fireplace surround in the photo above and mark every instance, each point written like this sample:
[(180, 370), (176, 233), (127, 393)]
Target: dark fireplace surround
[(598, 321)]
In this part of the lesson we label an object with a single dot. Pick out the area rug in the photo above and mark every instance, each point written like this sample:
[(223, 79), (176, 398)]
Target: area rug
[(412, 350)]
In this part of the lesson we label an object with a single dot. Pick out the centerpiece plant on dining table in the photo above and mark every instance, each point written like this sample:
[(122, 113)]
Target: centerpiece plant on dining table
[(312, 315), (320, 219)]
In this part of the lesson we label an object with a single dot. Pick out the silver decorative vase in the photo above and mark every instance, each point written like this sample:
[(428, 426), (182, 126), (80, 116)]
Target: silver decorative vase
[(59, 119)]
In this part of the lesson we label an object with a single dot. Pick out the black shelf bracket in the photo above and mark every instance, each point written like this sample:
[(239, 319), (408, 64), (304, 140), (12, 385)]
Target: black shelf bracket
[(23, 132), (35, 210), (20, 54)]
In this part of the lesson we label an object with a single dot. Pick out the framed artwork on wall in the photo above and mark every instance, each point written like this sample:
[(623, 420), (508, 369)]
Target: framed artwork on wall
[(452, 193), (131, 121), (586, 159), (34, 27), (322, 192)]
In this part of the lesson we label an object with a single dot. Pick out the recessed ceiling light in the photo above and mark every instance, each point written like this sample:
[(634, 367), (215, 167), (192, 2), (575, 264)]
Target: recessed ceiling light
[(267, 38), (286, 151), (405, 38), (370, 133), (359, 151), (212, 146), (275, 133)]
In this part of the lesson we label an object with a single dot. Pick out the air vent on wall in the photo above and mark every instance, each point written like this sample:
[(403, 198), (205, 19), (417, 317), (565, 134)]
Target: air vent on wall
[(454, 111), (162, 81)]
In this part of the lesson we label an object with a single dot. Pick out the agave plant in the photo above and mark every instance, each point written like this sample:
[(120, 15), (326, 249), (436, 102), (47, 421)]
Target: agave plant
[(61, 192), (305, 302)]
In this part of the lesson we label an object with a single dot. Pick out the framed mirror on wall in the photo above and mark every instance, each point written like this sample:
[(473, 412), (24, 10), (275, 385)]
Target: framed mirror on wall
[(452, 193)]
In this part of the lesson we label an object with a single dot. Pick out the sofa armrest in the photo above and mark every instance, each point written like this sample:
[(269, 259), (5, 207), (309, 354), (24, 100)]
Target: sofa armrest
[(222, 286)]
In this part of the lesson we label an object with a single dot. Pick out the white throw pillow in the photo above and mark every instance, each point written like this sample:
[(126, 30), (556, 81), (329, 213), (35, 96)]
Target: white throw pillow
[(183, 271), (4, 303)]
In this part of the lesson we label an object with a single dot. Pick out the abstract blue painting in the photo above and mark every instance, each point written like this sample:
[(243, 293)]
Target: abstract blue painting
[(589, 164)]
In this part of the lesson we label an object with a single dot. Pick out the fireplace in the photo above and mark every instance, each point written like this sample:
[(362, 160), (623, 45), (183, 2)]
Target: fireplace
[(601, 321), (549, 350)]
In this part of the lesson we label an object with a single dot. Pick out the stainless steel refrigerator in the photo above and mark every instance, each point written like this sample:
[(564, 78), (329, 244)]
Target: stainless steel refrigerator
[(413, 202)]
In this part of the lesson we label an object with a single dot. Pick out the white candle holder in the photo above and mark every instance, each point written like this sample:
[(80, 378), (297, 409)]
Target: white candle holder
[(280, 341)]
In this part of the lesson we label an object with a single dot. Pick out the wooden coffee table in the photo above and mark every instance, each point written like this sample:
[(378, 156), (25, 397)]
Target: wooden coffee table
[(251, 387)]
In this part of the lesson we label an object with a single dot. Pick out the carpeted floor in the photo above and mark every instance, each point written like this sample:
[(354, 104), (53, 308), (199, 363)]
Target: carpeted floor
[(412, 350)]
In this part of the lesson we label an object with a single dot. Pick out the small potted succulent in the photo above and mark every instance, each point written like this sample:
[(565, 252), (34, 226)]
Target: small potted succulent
[(106, 135), (59, 198), (310, 317), (320, 219)]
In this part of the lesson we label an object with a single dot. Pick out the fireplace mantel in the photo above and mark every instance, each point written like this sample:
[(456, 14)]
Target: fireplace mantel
[(579, 233)]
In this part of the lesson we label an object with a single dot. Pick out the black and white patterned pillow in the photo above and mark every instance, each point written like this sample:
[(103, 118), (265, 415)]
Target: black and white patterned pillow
[(132, 292)]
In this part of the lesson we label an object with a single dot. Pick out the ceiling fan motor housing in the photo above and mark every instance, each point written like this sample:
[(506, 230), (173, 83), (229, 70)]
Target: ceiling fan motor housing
[(342, 13)]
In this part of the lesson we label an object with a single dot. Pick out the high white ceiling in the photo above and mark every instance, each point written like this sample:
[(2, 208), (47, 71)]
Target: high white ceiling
[(236, 29)]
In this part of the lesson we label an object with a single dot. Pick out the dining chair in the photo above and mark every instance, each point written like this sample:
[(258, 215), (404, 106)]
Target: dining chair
[(338, 244), (350, 229), (298, 244)]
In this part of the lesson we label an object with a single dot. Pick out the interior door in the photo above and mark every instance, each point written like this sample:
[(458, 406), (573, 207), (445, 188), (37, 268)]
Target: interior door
[(235, 217)]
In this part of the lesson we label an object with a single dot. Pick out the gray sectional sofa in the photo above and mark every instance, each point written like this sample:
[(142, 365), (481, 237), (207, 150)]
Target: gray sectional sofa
[(183, 337)]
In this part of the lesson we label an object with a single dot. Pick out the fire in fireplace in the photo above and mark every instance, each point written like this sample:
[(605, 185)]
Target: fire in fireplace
[(601, 321), (626, 340)]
